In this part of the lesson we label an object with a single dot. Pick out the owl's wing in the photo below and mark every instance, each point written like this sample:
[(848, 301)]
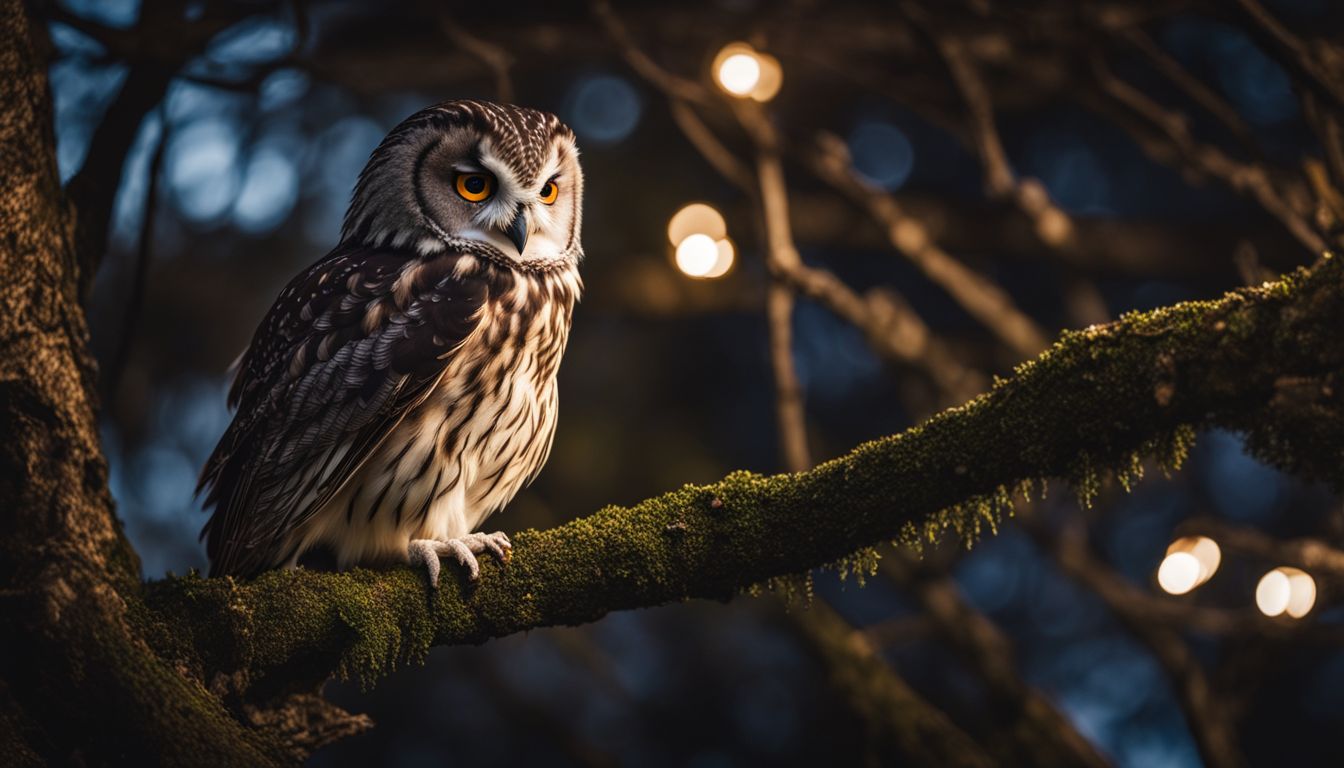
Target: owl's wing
[(347, 350)]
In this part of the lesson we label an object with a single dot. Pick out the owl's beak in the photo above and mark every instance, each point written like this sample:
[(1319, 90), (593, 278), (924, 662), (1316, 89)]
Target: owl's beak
[(517, 230)]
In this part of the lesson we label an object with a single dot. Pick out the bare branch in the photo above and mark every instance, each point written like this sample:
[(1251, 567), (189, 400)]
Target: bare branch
[(892, 328), (1053, 226), (494, 57), (781, 257), (901, 728), (1040, 727), (710, 148), (985, 301), (673, 85), (1251, 180), (1293, 51), (1193, 87), (1310, 554)]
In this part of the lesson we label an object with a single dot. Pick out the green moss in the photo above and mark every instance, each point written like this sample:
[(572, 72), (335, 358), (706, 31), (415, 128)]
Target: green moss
[(860, 564)]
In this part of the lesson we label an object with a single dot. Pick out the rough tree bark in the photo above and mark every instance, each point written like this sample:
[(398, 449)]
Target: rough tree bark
[(213, 671), (66, 568)]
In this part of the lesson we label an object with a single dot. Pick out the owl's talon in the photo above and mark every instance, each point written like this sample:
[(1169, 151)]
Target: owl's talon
[(464, 550), (495, 543)]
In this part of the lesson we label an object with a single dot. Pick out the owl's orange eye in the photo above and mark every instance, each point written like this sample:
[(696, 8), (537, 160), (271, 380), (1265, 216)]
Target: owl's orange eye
[(550, 192), (475, 187)]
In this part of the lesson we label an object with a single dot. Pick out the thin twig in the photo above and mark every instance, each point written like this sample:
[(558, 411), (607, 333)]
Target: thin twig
[(980, 297), (1192, 86), (989, 652), (1053, 226), (710, 148), (782, 256), (494, 57), (1295, 53), (1311, 554), (1248, 179), (892, 328), (900, 726), (673, 85)]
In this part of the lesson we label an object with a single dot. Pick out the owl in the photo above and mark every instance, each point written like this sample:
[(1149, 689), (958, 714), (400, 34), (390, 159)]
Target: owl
[(403, 388)]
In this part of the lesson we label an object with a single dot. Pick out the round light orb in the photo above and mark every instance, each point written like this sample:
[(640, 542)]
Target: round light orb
[(1273, 592), (1179, 573), (1301, 592), (737, 69), (1203, 549), (696, 219), (770, 80), (1208, 554), (697, 255), (724, 259)]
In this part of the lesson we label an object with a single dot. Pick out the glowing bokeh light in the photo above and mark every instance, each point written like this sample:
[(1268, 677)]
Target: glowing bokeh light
[(1206, 556), (1179, 573), (723, 260), (1273, 592), (740, 73), (696, 219), (697, 255), (743, 71), (770, 80), (1286, 590), (1301, 592), (737, 69)]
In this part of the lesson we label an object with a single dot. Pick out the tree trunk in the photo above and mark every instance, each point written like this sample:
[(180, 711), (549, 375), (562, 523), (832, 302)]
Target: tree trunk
[(77, 683)]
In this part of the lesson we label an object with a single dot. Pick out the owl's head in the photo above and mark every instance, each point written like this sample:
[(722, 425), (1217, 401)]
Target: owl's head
[(493, 179)]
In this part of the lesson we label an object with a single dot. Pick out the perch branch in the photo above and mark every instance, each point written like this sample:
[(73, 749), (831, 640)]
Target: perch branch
[(1091, 402)]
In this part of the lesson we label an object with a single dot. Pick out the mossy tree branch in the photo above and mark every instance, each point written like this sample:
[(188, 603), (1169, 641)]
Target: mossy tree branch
[(1266, 361)]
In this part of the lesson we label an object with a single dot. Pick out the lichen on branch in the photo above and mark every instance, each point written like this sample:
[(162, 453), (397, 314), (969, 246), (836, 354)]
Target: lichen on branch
[(1266, 361)]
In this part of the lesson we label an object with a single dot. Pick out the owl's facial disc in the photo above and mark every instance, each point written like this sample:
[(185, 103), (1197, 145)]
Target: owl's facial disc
[(469, 192)]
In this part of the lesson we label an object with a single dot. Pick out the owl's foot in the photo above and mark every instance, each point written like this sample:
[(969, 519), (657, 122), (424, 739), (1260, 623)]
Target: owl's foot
[(464, 550)]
